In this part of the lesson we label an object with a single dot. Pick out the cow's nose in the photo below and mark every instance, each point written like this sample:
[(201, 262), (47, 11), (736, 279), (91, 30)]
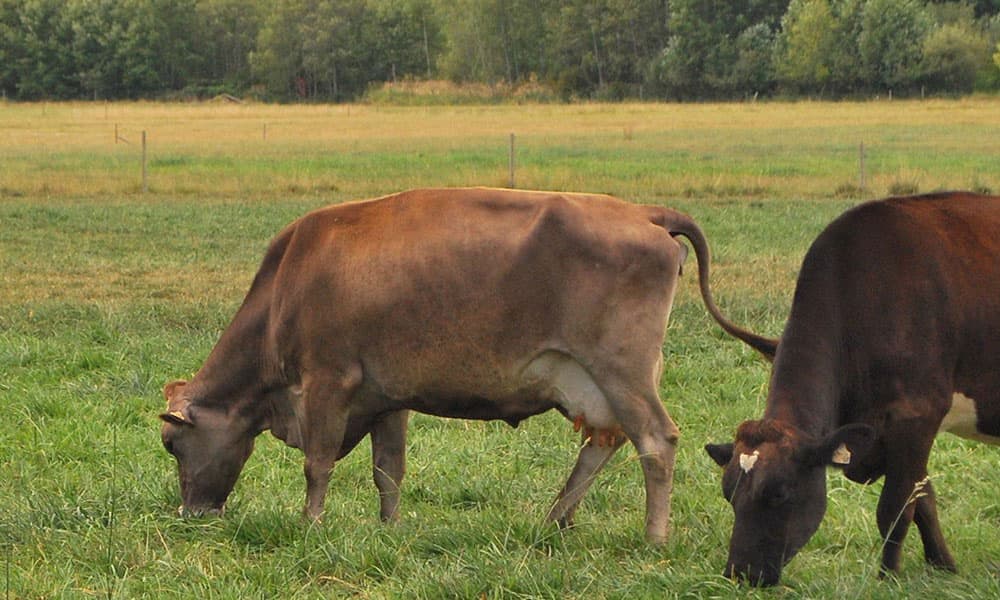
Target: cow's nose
[(762, 579), (186, 512), (755, 576)]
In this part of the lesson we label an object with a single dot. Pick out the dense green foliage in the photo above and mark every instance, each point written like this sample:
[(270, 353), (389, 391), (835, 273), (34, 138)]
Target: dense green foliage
[(337, 49)]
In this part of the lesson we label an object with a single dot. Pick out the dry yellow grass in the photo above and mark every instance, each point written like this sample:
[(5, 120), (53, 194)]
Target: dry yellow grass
[(803, 149)]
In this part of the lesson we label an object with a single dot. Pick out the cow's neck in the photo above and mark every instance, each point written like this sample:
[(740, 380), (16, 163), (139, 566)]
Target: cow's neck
[(807, 380), (236, 367), (805, 396)]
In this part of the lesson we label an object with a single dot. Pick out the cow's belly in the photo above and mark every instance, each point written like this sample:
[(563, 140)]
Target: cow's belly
[(962, 420), (513, 410), (549, 380)]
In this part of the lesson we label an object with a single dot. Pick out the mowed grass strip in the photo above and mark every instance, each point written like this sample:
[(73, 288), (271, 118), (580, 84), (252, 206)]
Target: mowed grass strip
[(104, 298)]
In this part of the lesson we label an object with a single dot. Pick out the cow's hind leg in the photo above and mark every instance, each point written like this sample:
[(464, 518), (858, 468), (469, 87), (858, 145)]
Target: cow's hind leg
[(389, 461), (654, 435), (657, 449), (589, 463), (326, 401)]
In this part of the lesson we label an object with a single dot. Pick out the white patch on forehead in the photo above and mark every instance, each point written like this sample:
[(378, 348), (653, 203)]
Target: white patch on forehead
[(747, 461), (961, 420)]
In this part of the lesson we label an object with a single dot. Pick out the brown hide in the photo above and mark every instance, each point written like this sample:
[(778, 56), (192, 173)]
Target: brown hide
[(468, 303), (896, 311)]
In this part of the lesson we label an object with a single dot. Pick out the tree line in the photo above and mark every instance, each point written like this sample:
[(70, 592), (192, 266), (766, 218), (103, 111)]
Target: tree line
[(335, 50)]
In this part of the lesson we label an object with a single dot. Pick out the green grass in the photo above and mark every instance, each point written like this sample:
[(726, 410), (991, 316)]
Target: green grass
[(106, 296)]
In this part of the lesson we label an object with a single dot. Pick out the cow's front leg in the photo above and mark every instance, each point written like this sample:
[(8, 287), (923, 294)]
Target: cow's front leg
[(894, 515), (925, 515), (326, 410), (389, 460), (907, 450), (593, 456)]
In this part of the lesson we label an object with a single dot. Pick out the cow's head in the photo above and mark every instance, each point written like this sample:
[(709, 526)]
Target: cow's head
[(211, 444), (775, 478)]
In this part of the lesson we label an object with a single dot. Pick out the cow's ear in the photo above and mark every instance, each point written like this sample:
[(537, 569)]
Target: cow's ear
[(842, 446), (720, 453), (170, 390), (177, 412)]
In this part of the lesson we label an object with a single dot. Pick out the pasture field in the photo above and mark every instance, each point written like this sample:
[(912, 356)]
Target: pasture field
[(107, 293), (661, 151)]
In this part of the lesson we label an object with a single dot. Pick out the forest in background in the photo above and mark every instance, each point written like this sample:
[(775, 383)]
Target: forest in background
[(339, 50)]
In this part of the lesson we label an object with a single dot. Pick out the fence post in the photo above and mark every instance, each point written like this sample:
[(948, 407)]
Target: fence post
[(861, 167), (145, 184), (265, 132), (510, 161)]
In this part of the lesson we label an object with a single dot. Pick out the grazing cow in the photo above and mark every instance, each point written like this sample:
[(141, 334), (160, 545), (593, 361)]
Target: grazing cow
[(467, 303), (893, 338)]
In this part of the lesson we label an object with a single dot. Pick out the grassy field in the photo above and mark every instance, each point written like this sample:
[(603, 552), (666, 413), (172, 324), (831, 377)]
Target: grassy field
[(660, 151), (107, 293)]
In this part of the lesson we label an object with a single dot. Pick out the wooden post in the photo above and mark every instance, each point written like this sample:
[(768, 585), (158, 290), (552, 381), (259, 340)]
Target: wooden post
[(510, 161), (861, 167), (145, 183), (116, 133), (265, 132)]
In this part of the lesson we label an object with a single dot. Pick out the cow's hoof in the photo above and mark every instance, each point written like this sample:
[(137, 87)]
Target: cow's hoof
[(309, 517), (657, 539)]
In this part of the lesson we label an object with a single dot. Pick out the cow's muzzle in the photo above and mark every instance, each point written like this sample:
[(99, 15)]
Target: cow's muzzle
[(754, 575), (187, 512)]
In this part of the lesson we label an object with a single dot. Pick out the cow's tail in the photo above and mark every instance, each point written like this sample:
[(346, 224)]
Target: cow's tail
[(677, 223)]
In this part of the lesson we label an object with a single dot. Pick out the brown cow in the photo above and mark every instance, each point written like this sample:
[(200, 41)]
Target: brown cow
[(893, 337), (468, 303)]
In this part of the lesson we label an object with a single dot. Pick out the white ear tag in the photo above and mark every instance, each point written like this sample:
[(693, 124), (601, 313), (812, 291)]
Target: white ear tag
[(841, 456), (747, 461)]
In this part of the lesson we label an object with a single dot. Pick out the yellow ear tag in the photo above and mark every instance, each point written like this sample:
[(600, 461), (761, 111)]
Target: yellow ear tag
[(841, 456)]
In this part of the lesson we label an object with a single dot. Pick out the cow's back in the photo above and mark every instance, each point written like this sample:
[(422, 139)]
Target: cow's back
[(905, 292), (461, 288)]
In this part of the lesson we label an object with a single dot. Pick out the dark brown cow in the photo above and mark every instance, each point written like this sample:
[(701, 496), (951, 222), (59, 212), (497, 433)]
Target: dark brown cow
[(893, 337), (469, 303)]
